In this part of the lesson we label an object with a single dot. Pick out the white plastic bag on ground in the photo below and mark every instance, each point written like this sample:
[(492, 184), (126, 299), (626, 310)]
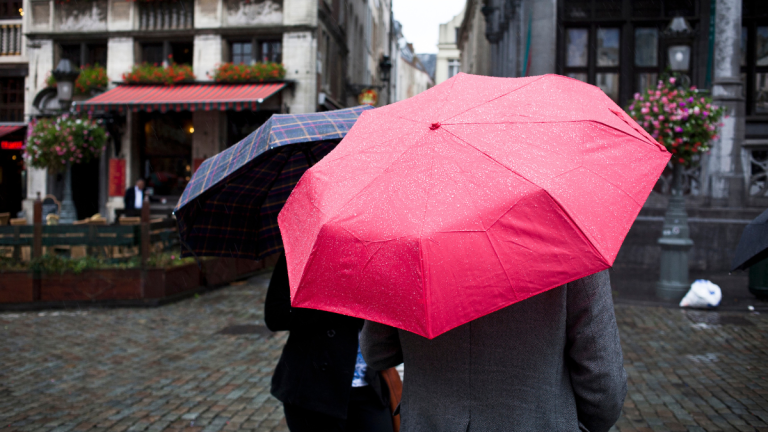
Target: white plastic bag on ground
[(703, 294)]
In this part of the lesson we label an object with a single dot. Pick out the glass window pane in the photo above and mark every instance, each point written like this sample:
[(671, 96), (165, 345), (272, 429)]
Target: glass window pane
[(576, 46), (761, 93), (762, 46), (609, 84), (608, 47), (646, 81), (646, 47), (581, 76)]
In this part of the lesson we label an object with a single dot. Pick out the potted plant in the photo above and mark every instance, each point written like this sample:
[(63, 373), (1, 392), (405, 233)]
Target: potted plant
[(685, 121), (233, 73), (146, 73)]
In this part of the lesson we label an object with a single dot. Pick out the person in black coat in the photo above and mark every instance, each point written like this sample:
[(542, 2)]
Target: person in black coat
[(134, 198), (320, 377)]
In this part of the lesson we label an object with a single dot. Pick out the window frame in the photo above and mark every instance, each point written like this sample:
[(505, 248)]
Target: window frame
[(15, 110), (626, 22), (256, 47), (751, 69)]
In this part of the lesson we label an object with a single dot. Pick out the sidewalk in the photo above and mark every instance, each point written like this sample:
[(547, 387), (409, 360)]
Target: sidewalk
[(204, 364)]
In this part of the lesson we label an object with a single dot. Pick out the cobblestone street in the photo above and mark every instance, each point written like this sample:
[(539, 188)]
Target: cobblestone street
[(204, 364)]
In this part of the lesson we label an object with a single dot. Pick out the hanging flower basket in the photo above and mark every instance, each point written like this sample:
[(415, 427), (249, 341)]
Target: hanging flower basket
[(53, 143), (231, 73), (91, 78), (681, 119), (154, 74)]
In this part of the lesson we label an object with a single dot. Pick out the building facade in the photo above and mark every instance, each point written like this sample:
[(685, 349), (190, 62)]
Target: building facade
[(331, 51), (448, 54), (624, 46), (13, 70), (412, 76), (472, 43)]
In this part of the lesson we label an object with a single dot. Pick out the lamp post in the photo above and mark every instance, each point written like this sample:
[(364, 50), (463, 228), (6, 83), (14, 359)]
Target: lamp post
[(675, 240), (65, 76)]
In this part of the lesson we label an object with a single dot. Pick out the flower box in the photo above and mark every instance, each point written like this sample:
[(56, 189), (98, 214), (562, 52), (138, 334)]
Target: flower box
[(91, 285), (16, 287)]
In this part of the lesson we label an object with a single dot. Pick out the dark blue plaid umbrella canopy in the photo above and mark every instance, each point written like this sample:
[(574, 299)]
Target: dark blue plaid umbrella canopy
[(230, 206)]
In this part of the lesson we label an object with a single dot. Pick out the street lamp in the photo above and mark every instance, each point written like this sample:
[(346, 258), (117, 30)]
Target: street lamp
[(65, 76)]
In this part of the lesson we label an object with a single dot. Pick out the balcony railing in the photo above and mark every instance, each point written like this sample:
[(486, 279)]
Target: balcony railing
[(167, 15), (10, 39)]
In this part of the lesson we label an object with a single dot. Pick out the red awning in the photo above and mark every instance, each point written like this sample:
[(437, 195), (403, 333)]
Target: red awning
[(8, 129), (182, 97)]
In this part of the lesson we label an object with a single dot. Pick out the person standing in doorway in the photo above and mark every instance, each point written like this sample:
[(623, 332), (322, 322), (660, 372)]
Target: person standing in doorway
[(134, 198)]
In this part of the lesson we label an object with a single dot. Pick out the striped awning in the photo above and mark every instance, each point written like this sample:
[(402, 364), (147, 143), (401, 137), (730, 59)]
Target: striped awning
[(9, 129), (182, 97)]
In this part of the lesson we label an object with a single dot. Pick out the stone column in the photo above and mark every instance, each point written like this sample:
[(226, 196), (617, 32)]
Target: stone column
[(724, 174)]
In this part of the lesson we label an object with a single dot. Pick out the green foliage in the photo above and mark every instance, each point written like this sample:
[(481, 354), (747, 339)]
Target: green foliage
[(52, 264), (90, 78), (52, 143), (230, 72), (146, 73), (681, 119)]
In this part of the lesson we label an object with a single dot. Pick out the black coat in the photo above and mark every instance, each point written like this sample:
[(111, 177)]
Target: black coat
[(318, 362), (130, 199)]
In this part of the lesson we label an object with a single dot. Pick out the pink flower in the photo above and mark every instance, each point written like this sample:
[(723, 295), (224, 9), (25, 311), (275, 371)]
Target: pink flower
[(661, 118), (672, 80), (644, 110)]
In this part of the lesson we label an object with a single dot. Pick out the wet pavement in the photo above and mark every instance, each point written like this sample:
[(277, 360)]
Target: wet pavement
[(204, 364)]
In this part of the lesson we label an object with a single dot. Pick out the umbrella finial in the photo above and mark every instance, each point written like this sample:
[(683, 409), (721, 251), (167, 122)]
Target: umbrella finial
[(434, 126)]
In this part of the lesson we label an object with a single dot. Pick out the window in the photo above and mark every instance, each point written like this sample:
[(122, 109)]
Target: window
[(271, 51), (12, 99), (241, 52), (754, 56), (82, 54), (256, 51), (453, 68), (600, 67), (152, 53), (10, 9), (617, 45), (159, 53)]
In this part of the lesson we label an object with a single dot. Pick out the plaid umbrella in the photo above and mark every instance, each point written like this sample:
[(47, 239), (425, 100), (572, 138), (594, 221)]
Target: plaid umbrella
[(230, 206)]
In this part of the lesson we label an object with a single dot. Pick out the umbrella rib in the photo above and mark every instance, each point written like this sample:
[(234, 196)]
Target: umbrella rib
[(496, 254), (551, 122), (493, 99), (534, 184)]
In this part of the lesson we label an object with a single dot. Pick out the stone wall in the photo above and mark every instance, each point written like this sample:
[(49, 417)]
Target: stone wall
[(715, 233)]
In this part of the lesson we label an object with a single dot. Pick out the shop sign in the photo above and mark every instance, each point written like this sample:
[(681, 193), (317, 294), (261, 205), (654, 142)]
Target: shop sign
[(11, 145), (368, 97), (116, 177)]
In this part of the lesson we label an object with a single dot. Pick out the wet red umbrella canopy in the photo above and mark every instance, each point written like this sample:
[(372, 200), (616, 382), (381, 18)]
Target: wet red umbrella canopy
[(469, 197)]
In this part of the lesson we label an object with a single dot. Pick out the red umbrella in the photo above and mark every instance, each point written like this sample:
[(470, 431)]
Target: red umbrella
[(469, 197)]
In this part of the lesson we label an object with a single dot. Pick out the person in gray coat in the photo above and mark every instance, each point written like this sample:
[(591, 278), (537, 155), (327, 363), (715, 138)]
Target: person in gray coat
[(552, 362)]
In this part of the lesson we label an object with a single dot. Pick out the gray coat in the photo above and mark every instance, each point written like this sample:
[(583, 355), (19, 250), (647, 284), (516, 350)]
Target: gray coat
[(549, 363)]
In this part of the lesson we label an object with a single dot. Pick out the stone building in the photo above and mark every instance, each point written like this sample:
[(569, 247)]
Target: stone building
[(13, 69), (448, 62), (474, 48), (412, 76), (623, 46), (331, 50)]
